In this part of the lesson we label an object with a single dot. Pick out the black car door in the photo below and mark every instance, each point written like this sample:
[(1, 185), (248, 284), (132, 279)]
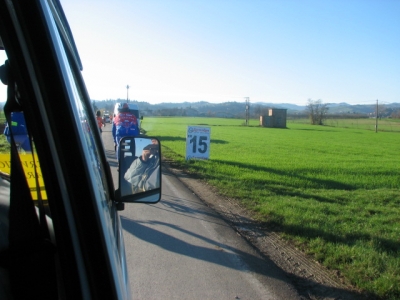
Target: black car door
[(45, 67)]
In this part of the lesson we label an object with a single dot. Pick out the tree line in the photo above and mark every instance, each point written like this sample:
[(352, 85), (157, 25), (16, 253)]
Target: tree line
[(315, 110)]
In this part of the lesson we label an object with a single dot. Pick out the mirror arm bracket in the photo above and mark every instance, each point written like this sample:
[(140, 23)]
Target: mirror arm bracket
[(120, 206)]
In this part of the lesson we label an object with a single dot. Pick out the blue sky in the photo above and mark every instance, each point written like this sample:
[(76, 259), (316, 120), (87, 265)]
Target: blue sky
[(224, 50)]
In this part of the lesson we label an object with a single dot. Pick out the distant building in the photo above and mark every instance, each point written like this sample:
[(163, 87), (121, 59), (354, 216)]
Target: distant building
[(276, 118)]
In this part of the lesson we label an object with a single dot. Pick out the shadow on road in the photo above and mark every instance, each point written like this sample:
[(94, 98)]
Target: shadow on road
[(229, 257)]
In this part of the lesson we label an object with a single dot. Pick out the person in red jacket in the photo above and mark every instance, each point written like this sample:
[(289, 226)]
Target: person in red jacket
[(99, 120), (124, 124)]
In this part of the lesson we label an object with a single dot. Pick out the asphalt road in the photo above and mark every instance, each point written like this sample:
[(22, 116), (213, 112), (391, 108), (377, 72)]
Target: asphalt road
[(181, 249)]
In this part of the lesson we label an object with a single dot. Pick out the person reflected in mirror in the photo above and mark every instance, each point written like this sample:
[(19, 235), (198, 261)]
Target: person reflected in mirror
[(144, 172)]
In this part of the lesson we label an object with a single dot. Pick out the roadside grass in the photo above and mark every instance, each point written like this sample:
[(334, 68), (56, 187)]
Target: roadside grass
[(385, 124), (4, 145), (334, 192)]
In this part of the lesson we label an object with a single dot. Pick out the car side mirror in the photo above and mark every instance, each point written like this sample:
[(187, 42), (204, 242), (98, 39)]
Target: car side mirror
[(139, 175), (141, 117)]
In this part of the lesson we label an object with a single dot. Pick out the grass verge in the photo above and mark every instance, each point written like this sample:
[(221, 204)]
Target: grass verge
[(4, 145)]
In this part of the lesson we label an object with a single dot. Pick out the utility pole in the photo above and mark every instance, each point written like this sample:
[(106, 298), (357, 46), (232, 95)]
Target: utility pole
[(247, 110), (127, 93), (376, 117)]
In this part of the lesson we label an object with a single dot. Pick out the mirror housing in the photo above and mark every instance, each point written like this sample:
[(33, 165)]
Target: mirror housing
[(139, 175)]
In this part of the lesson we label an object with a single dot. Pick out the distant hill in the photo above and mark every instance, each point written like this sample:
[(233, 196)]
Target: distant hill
[(237, 109), (288, 106)]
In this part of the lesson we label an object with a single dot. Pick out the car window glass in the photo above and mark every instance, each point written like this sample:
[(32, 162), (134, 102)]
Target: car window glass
[(84, 117), (83, 114), (91, 144), (25, 147)]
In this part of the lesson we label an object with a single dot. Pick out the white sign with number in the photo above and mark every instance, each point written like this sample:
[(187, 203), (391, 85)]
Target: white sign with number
[(198, 142)]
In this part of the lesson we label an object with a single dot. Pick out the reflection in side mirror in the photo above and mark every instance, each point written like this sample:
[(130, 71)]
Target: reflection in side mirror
[(139, 170)]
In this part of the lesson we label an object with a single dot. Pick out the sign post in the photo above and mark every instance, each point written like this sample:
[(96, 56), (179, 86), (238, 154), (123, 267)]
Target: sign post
[(198, 142)]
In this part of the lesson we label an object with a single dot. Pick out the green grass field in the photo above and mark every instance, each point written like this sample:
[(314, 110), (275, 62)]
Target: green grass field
[(4, 145), (384, 124), (332, 191)]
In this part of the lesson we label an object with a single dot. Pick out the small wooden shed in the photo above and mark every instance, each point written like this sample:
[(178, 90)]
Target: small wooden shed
[(276, 118)]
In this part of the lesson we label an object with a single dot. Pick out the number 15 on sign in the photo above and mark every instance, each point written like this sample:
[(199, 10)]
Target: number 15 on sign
[(198, 142)]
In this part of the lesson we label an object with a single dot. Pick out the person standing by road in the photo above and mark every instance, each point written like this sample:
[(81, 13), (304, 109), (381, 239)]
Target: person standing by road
[(99, 120), (124, 124)]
